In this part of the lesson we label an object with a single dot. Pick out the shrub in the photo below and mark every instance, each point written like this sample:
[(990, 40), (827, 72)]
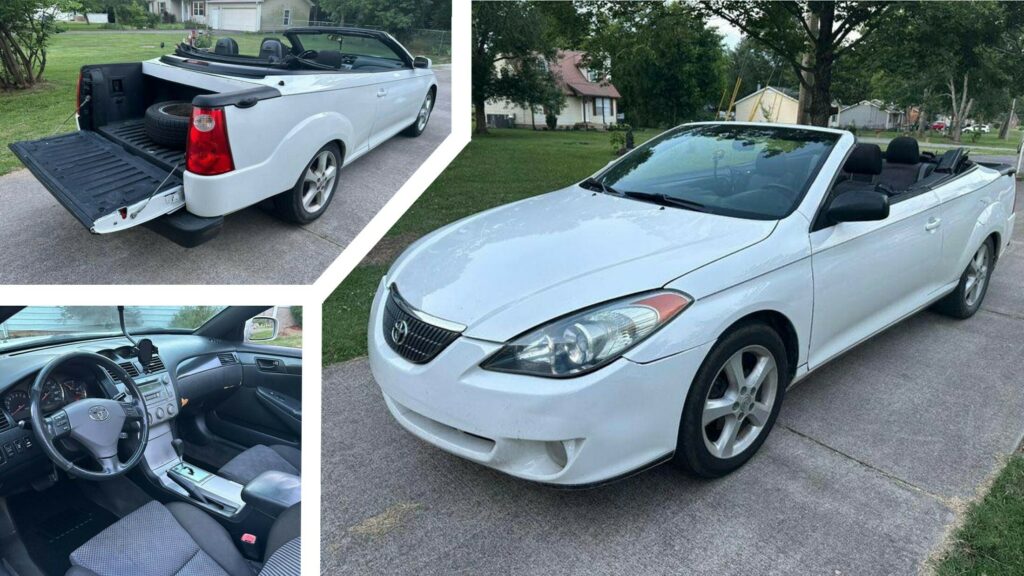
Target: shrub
[(552, 121), (618, 140), (297, 315)]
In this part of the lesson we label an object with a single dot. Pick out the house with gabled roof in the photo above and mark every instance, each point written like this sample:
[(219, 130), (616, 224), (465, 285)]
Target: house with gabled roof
[(591, 99)]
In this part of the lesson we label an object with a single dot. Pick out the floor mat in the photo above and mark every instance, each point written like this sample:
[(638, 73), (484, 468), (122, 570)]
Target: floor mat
[(55, 522)]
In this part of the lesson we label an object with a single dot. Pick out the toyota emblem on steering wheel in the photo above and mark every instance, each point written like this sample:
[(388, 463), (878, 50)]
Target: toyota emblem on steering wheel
[(98, 413)]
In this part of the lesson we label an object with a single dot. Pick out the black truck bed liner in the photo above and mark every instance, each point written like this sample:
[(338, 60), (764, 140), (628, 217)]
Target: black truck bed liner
[(132, 134), (90, 175)]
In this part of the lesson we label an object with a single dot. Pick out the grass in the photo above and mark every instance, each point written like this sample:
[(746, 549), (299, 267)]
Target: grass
[(42, 111), (502, 167), (991, 540), (290, 337), (990, 140)]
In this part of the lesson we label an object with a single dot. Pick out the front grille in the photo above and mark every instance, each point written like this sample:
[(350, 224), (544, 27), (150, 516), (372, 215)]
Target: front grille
[(417, 341)]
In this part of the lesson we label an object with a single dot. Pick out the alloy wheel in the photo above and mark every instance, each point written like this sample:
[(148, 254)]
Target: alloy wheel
[(421, 121), (319, 181), (740, 401), (977, 276)]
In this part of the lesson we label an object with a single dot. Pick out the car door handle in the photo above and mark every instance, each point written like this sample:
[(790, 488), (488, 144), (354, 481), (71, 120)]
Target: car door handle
[(932, 224), (382, 92), (268, 365)]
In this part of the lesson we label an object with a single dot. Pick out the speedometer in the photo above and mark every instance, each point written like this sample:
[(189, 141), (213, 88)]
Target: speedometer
[(16, 403), (53, 396)]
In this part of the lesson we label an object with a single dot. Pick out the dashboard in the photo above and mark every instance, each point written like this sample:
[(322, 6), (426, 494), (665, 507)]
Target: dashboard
[(61, 389)]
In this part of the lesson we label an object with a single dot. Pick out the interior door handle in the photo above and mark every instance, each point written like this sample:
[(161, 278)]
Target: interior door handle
[(268, 365), (932, 224)]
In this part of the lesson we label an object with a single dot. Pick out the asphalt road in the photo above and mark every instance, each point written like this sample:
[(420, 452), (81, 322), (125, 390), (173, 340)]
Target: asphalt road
[(871, 458), (43, 244)]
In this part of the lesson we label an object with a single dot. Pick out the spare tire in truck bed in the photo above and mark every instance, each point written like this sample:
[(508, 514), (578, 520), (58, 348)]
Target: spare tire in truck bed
[(167, 123)]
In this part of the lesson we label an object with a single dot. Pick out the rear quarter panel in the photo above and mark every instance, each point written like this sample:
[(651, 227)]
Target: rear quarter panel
[(973, 206)]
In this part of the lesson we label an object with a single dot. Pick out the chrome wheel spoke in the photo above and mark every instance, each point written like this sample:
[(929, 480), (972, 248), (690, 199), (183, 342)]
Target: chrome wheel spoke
[(759, 415), (760, 372), (726, 442), (734, 371), (717, 408)]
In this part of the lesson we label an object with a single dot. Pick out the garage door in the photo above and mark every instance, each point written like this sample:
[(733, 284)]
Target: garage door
[(242, 19)]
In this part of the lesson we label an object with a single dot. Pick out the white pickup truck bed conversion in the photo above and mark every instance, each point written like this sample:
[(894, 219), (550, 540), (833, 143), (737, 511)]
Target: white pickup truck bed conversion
[(246, 128)]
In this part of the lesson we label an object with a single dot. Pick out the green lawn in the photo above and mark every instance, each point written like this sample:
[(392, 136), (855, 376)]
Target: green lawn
[(991, 541), (990, 140), (499, 168)]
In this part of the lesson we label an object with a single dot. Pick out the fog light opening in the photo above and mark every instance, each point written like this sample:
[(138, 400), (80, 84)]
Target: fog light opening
[(557, 453)]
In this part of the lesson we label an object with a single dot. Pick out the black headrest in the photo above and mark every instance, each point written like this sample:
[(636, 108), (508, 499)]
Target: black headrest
[(271, 49), (903, 150), (226, 46), (865, 159), (330, 58)]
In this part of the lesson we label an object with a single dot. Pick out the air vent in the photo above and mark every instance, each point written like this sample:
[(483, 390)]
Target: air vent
[(155, 365), (130, 368), (227, 358), (5, 424)]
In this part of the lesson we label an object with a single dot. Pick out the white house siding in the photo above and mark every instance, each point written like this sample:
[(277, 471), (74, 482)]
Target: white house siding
[(571, 114), (864, 116), (780, 108), (272, 17)]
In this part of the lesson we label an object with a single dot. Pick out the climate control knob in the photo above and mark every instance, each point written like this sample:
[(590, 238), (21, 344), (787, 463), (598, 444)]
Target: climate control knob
[(170, 409), (159, 413)]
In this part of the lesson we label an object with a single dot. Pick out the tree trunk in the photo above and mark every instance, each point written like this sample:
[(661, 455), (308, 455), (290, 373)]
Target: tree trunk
[(824, 54), (959, 112), (803, 113), (481, 118), (1004, 130), (533, 118)]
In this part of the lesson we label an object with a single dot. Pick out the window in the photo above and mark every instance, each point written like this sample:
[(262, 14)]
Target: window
[(593, 76), (198, 9), (287, 17), (542, 64), (699, 164), (602, 108), (163, 7)]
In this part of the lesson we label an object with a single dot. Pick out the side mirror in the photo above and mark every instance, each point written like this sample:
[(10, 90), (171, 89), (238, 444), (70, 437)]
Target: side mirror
[(859, 206), (421, 62), (261, 328)]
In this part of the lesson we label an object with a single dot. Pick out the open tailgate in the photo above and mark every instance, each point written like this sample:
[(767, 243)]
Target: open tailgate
[(105, 187)]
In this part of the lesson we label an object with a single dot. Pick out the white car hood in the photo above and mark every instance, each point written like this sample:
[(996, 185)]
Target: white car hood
[(509, 269)]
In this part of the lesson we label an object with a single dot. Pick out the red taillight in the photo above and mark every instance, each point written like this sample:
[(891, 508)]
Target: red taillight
[(208, 152)]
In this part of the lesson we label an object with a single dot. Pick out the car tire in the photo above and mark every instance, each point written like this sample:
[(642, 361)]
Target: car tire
[(965, 300), (701, 449), (423, 117), (167, 123), (313, 192)]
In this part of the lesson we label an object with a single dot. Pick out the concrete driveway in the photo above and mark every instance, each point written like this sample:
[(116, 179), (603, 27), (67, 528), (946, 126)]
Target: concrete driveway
[(43, 244), (871, 459)]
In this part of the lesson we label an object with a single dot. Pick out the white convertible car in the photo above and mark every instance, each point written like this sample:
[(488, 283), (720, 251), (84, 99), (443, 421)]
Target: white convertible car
[(663, 306), (178, 142)]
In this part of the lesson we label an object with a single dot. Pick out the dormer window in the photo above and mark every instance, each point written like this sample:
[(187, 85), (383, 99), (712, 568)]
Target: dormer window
[(542, 64), (593, 75)]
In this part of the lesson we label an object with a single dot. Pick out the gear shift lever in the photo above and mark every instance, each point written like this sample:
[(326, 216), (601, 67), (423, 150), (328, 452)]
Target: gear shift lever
[(179, 448)]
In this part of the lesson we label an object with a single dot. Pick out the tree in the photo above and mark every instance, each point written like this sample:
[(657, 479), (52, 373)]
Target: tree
[(395, 16), (754, 65), (809, 35), (25, 29), (192, 317), (668, 64), (508, 39)]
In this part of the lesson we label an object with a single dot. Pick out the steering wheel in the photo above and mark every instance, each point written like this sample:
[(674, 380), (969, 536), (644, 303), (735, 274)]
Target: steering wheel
[(305, 54), (95, 423)]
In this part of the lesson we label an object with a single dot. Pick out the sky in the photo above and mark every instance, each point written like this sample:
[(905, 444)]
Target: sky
[(731, 34)]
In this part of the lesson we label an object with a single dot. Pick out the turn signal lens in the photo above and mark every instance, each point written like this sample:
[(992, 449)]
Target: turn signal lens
[(589, 339), (208, 151)]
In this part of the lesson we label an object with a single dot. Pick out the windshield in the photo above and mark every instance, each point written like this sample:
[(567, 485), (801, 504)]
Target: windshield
[(735, 170), (58, 323)]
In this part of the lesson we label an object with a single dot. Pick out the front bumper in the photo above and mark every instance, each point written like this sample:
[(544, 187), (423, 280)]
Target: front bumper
[(569, 432)]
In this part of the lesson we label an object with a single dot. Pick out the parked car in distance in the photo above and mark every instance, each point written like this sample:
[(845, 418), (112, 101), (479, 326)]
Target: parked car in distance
[(180, 141), (940, 126), (981, 128), (663, 306)]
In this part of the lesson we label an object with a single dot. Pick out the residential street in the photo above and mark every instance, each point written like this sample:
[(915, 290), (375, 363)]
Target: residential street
[(44, 244), (870, 460)]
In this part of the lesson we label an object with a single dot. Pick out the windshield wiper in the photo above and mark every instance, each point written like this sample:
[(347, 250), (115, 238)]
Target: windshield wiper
[(595, 184), (666, 200)]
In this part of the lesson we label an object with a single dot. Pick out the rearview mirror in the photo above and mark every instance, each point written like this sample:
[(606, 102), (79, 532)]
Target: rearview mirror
[(261, 328), (421, 62), (859, 206)]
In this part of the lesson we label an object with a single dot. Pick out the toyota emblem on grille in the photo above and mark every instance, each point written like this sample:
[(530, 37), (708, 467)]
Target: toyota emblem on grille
[(399, 332), (98, 413)]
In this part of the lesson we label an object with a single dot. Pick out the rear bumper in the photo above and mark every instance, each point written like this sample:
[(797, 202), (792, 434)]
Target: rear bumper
[(187, 229)]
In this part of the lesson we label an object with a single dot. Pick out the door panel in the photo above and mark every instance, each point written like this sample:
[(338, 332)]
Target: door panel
[(963, 202), (267, 408), (868, 275), (399, 99)]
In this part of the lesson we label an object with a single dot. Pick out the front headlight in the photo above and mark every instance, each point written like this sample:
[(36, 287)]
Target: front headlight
[(588, 339)]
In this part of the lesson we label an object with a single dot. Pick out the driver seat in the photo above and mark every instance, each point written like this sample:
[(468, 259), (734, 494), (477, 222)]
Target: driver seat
[(179, 539)]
